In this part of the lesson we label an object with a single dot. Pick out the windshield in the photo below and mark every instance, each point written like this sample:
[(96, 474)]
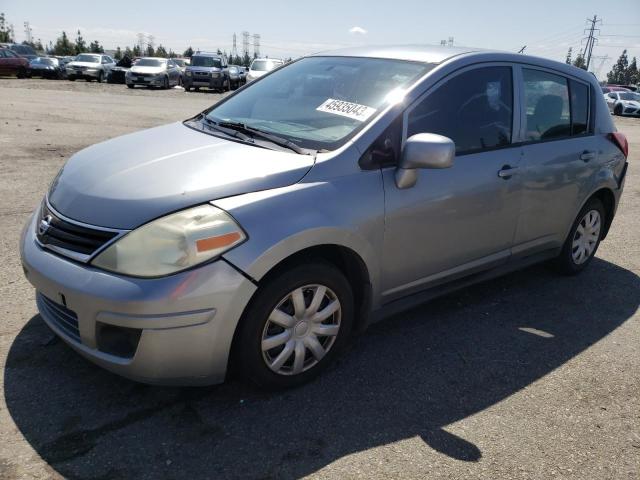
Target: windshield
[(45, 61), (23, 49), (150, 62), (180, 63), (88, 58), (205, 62), (629, 96), (320, 102), (264, 65)]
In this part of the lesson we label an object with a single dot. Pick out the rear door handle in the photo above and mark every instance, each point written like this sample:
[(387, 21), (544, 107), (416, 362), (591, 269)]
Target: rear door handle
[(587, 155), (507, 172)]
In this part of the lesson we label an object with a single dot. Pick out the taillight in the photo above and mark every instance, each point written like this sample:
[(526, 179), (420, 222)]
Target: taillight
[(621, 142)]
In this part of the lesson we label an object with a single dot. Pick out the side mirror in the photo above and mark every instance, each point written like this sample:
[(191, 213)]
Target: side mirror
[(423, 150)]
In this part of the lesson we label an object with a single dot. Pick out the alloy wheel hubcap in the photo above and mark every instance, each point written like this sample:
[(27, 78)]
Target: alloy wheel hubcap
[(586, 237), (301, 329)]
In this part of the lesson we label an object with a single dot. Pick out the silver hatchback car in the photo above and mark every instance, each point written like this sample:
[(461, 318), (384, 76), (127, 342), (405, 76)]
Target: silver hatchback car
[(266, 230)]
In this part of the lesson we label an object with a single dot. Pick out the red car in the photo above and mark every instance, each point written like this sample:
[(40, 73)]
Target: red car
[(614, 88), (12, 64)]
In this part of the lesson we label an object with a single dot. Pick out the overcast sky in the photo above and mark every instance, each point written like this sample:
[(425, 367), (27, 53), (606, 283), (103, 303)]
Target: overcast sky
[(295, 27)]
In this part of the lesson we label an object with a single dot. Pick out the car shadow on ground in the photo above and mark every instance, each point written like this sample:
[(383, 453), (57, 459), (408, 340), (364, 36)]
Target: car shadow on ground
[(407, 376)]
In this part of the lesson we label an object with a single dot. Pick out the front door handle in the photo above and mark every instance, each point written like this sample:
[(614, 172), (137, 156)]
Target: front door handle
[(507, 172), (587, 155)]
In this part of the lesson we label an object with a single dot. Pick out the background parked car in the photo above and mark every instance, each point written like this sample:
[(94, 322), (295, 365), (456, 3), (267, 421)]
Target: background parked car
[(64, 61), (181, 63), (208, 70), (623, 103), (237, 76), (24, 51), (154, 72), (260, 66), (119, 72), (12, 64), (90, 66), (614, 88), (46, 67)]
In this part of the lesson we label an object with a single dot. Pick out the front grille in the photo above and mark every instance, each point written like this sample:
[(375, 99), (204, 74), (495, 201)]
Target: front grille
[(54, 231), (63, 318)]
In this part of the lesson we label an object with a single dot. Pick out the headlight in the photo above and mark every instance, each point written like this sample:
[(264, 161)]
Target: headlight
[(215, 74), (187, 73), (173, 243)]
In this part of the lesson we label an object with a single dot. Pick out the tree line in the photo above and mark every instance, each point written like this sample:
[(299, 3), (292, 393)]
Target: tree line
[(623, 72)]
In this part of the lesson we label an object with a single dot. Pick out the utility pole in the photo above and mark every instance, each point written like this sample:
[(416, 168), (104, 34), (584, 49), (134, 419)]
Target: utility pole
[(522, 49), (256, 45), (245, 44), (28, 32), (591, 39), (234, 50)]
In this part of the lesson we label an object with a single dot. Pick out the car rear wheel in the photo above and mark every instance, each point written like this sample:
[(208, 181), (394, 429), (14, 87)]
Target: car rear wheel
[(584, 238), (187, 89), (295, 326), (165, 83), (617, 110), (72, 78), (130, 86), (22, 73)]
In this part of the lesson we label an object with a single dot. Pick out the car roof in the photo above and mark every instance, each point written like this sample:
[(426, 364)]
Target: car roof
[(415, 53), (207, 54)]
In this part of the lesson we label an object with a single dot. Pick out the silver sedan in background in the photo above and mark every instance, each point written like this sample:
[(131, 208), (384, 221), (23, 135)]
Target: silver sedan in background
[(623, 103), (90, 66), (154, 72)]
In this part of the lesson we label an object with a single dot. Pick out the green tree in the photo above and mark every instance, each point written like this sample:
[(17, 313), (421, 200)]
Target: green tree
[(95, 47), (128, 52), (633, 76), (617, 75), (64, 46), (118, 54), (161, 52), (6, 30), (188, 52), (568, 59), (81, 44), (580, 62), (150, 52), (246, 59), (137, 52)]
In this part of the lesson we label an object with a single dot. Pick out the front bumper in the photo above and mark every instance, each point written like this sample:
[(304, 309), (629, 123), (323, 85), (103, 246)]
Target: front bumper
[(83, 73), (145, 80), (184, 322), (209, 82)]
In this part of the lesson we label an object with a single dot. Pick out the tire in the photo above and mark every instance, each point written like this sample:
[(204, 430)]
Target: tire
[(187, 89), (277, 295), (617, 110), (22, 73), (130, 85), (100, 77), (165, 84), (71, 78), (566, 263)]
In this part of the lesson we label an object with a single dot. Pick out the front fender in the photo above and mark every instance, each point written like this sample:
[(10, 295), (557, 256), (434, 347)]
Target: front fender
[(347, 211)]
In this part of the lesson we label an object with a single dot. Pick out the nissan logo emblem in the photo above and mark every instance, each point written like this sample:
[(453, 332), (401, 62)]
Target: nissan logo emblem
[(45, 223)]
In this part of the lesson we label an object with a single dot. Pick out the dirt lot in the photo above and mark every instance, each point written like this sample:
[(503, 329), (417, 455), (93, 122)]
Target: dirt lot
[(468, 386)]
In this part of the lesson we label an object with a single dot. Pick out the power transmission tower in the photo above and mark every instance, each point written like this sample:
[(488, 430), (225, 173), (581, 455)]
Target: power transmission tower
[(256, 45), (151, 41), (450, 42), (28, 32), (234, 50), (245, 43), (591, 39), (141, 43), (602, 58)]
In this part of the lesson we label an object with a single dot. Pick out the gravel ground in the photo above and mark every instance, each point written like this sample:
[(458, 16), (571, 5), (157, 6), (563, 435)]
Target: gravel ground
[(528, 376)]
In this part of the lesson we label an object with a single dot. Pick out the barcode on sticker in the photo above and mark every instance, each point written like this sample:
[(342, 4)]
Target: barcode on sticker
[(346, 109)]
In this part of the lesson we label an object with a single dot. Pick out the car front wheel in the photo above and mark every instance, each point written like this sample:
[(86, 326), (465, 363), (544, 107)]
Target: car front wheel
[(295, 326), (584, 238)]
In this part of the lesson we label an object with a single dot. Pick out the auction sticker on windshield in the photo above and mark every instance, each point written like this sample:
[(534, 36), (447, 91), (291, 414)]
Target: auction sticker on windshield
[(347, 109)]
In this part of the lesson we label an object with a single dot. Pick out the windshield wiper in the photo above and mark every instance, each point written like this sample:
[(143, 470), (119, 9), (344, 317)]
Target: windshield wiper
[(228, 131), (283, 142)]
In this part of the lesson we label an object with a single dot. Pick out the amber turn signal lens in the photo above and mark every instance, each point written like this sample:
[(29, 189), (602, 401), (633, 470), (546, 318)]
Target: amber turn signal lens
[(220, 241)]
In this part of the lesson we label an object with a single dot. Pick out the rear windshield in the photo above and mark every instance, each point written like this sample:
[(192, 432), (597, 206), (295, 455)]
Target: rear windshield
[(206, 62), (150, 62), (88, 58), (23, 49), (45, 61)]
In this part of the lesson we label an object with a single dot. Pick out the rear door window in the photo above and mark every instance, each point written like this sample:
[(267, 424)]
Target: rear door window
[(548, 114), (579, 108), (474, 109)]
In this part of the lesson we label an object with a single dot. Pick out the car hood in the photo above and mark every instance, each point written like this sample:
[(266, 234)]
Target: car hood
[(631, 103), (135, 69), (257, 73), (83, 64), (130, 180)]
